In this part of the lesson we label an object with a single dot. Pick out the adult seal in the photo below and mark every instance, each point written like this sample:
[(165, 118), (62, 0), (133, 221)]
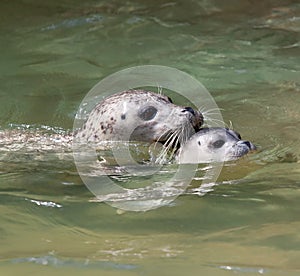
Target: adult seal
[(214, 145), (139, 115)]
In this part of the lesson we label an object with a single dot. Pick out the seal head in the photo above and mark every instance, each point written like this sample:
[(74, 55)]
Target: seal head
[(214, 145), (139, 115)]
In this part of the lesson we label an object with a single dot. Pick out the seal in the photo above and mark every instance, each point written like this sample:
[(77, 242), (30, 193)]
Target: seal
[(140, 115), (213, 145)]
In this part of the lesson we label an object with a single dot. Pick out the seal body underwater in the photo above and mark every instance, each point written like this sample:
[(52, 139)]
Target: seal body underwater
[(139, 115), (214, 145)]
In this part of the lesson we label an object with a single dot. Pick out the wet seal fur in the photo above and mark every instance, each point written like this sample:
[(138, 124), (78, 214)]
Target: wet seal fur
[(214, 145), (142, 116), (139, 115)]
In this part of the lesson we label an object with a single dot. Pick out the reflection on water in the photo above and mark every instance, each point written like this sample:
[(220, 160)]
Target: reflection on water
[(245, 53)]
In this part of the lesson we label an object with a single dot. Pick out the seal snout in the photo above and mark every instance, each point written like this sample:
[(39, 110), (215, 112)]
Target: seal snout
[(247, 144), (196, 117)]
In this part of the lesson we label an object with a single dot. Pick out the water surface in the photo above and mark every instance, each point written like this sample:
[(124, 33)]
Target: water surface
[(245, 53)]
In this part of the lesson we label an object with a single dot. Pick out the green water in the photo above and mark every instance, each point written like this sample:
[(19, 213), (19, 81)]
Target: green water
[(245, 52)]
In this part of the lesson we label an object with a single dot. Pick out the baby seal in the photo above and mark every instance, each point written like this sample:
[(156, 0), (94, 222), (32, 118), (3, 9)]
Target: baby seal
[(139, 115), (214, 145)]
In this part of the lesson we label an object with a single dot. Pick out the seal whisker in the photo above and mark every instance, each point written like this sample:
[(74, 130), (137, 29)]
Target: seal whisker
[(219, 123), (175, 148), (172, 141), (167, 133), (203, 110), (185, 134), (159, 90), (181, 136), (209, 113)]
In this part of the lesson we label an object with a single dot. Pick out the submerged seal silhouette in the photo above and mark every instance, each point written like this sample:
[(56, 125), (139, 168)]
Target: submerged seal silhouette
[(139, 115), (214, 145)]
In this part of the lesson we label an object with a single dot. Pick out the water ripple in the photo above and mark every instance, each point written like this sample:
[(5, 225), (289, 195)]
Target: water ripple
[(45, 203), (70, 23), (50, 260)]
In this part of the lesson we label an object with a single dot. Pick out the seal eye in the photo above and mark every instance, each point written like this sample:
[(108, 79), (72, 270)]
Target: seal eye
[(218, 144), (147, 113)]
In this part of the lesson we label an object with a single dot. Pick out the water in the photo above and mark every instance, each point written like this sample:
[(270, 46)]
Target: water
[(246, 54)]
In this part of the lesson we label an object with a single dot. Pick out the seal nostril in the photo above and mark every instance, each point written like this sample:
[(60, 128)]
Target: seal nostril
[(189, 109), (248, 144)]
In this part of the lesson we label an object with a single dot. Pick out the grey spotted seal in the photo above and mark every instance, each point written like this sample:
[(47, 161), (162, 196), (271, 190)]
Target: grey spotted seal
[(140, 115), (133, 115), (214, 145)]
